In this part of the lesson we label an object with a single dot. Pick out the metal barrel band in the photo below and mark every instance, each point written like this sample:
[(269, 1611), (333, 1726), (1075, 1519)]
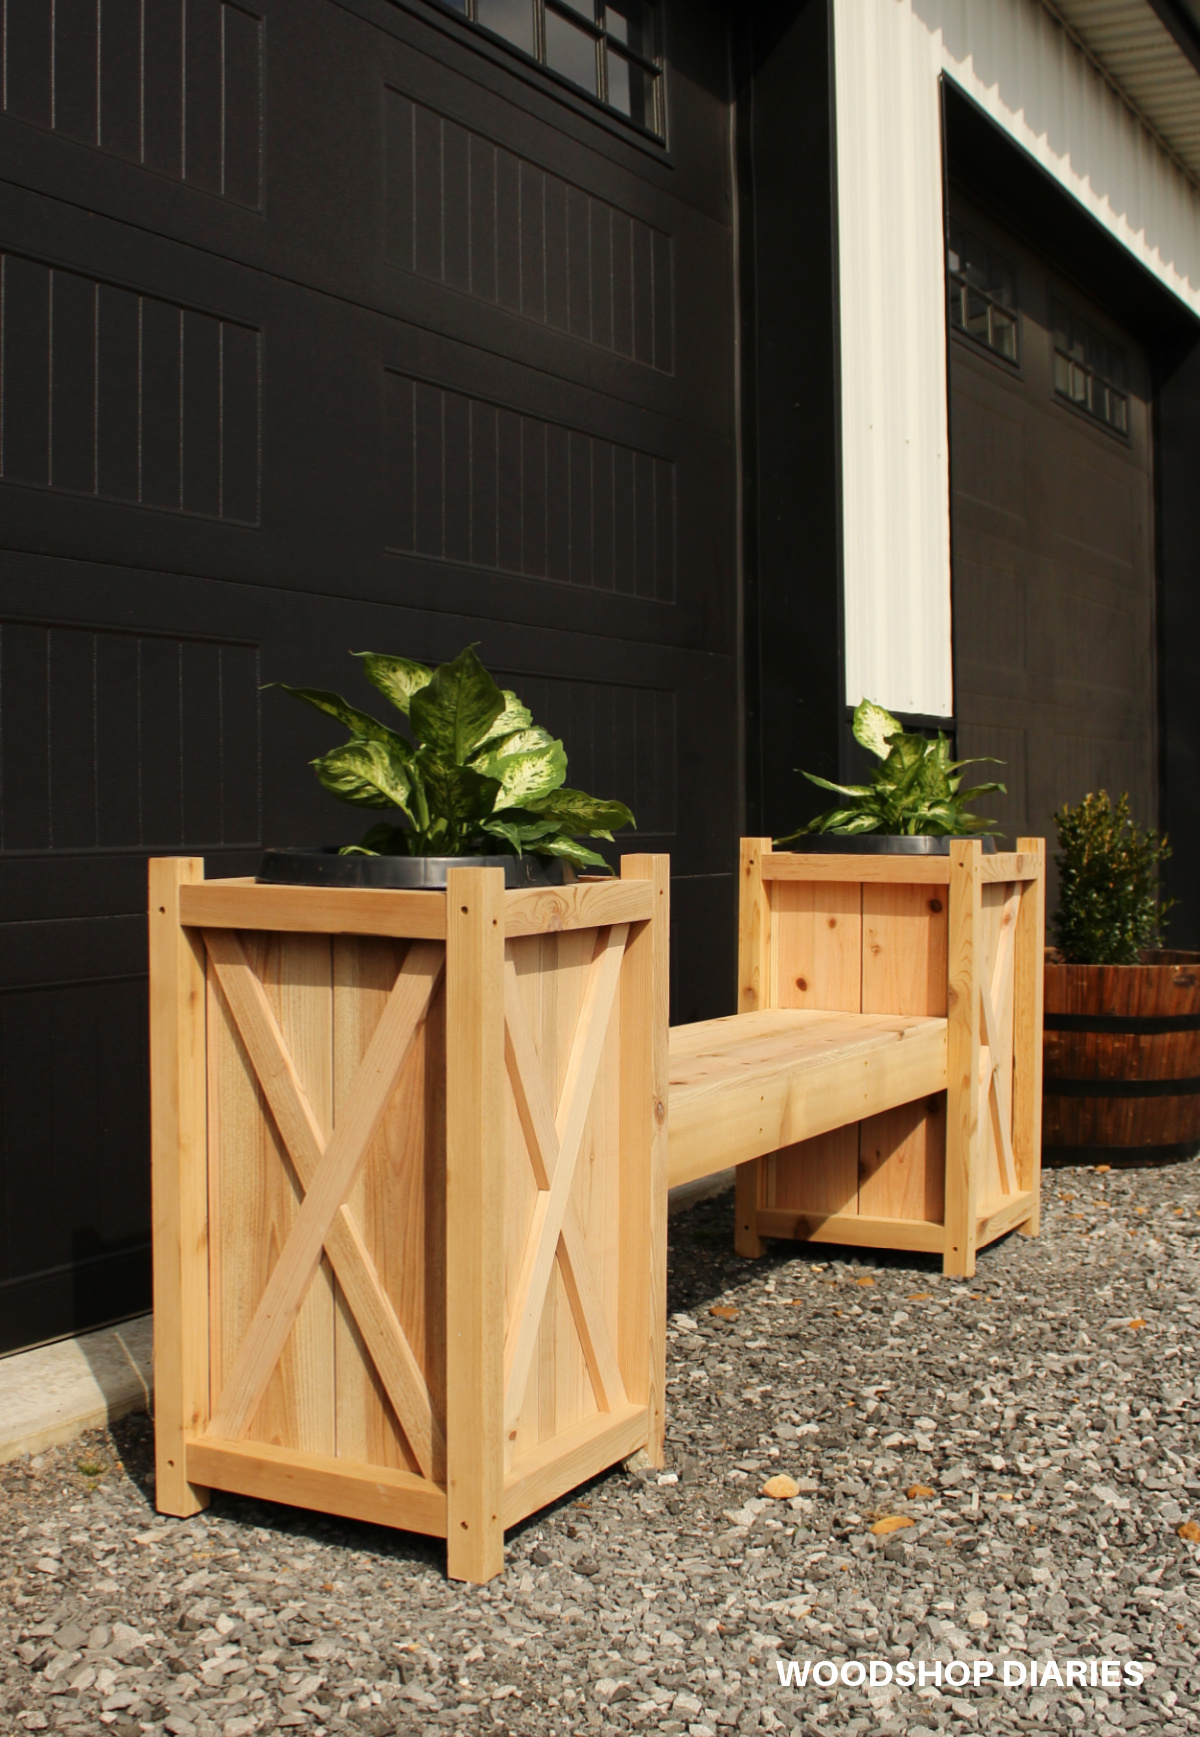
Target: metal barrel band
[(1181, 1088), (1119, 1024)]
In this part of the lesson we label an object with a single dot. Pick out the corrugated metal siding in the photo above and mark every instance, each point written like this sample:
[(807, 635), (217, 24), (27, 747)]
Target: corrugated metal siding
[(1019, 64)]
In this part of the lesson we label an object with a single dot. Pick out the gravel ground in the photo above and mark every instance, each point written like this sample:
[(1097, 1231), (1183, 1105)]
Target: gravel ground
[(1037, 1425)]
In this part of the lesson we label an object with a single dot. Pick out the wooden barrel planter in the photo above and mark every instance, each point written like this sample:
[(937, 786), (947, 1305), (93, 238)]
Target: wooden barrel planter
[(1121, 1077)]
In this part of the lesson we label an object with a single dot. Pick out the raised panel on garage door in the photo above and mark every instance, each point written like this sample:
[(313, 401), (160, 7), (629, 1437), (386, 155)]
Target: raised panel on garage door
[(327, 324)]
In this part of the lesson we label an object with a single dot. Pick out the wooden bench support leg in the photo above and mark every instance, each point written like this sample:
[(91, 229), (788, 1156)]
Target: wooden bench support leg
[(746, 1202), (474, 1215)]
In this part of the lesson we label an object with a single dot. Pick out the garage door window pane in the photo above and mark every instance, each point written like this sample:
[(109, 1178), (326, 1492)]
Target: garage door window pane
[(631, 89), (611, 52), (1090, 370), (982, 291), (633, 23), (511, 19), (571, 51)]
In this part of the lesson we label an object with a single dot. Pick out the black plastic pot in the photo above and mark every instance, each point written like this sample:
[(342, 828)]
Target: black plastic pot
[(882, 844), (322, 865)]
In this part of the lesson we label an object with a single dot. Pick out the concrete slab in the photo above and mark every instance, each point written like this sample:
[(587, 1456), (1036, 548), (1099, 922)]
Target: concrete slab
[(704, 1188), (57, 1391)]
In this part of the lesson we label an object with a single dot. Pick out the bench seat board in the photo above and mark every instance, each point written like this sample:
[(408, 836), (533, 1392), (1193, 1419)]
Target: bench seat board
[(747, 1085)]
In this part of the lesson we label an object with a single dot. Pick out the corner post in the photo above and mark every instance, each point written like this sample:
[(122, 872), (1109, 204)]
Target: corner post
[(1029, 967), (179, 1184), (963, 1137), (645, 1015), (475, 1121), (756, 988)]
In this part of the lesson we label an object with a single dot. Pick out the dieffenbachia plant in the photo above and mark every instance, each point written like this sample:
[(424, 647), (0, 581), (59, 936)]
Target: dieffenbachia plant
[(916, 788), (477, 778)]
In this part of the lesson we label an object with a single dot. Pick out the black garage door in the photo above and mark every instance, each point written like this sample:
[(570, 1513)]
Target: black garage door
[(328, 326), (1054, 586)]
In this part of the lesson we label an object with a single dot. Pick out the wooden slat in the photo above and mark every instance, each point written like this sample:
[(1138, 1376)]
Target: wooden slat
[(377, 1494), (585, 905), (474, 1220), (242, 904), (551, 1208), (302, 1134), (293, 1272), (998, 1218), (644, 1157), (963, 1132), (570, 1459), (1023, 864), (1028, 992), (179, 1181), (858, 1230), (902, 1151), (918, 870), (768, 1080), (583, 1292), (798, 866), (996, 1087), (817, 935)]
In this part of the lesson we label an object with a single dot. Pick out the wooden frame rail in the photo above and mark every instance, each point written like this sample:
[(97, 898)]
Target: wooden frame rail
[(409, 1168)]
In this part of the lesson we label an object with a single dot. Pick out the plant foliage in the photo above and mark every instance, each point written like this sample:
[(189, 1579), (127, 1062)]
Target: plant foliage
[(916, 788), (1109, 907), (474, 777)]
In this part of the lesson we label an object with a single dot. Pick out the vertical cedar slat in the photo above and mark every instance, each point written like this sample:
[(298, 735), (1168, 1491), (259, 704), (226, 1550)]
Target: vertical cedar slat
[(756, 989), (642, 1301), (962, 1064), (475, 1086), (302, 996), (539, 970), (817, 961), (179, 1179), (386, 1199), (902, 1155), (1028, 991)]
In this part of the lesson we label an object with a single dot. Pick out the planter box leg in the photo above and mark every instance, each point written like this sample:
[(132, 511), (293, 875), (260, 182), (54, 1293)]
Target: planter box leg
[(642, 1344), (179, 1179), (1029, 992), (475, 1124), (756, 991), (963, 1133)]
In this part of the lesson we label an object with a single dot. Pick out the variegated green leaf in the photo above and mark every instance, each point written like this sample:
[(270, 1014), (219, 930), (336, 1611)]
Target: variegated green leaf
[(872, 727), (514, 717), (397, 677), (368, 774), (360, 724), (455, 711)]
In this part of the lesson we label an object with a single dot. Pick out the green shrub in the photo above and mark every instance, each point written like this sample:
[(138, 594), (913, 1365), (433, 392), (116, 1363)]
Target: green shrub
[(477, 778), (915, 789), (1109, 907)]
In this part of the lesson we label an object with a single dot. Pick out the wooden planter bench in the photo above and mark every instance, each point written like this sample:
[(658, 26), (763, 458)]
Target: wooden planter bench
[(881, 1085), (390, 1282)]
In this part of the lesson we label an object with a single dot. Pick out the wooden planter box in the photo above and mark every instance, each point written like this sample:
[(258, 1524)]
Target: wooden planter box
[(409, 1166), (1122, 1067), (956, 938)]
